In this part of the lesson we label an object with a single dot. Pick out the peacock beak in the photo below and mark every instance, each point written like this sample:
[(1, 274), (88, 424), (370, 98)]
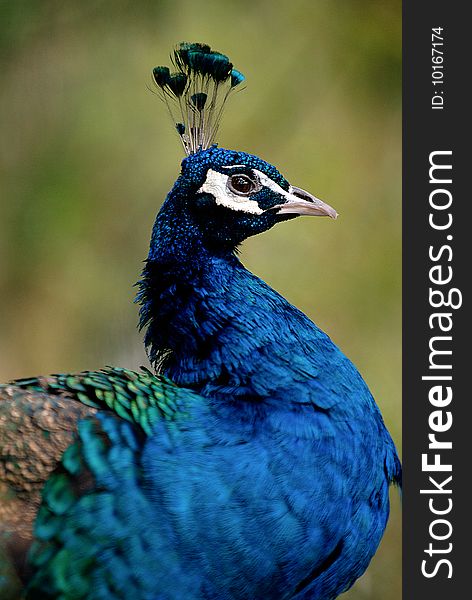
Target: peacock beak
[(300, 202)]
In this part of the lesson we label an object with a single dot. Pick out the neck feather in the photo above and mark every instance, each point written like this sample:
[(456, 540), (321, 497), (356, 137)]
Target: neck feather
[(180, 273)]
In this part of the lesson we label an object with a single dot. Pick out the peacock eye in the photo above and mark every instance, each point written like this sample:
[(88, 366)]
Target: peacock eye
[(241, 184)]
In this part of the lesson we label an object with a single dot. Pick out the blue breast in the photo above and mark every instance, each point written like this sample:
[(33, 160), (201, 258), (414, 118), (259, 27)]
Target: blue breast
[(293, 449)]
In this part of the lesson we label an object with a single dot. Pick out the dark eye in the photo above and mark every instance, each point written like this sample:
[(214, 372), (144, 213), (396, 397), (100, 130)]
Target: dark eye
[(242, 184)]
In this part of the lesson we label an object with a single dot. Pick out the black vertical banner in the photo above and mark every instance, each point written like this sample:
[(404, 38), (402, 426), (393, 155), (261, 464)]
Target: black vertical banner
[(436, 323)]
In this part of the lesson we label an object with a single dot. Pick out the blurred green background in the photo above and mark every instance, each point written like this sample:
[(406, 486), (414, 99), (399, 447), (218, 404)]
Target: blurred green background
[(87, 154)]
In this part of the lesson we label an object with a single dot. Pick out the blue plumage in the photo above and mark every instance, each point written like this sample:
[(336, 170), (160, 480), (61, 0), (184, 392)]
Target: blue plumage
[(256, 464), (322, 449)]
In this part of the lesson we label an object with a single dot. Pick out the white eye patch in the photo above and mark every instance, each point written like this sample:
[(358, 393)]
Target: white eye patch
[(216, 184)]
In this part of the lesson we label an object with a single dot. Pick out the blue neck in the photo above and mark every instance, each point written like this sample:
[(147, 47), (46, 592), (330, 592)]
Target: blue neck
[(206, 316), (175, 239), (181, 273)]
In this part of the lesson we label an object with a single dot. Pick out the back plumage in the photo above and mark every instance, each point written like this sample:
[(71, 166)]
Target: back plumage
[(255, 463)]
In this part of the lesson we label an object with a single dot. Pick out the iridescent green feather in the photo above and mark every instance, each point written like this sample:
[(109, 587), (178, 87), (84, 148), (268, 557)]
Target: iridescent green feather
[(141, 398)]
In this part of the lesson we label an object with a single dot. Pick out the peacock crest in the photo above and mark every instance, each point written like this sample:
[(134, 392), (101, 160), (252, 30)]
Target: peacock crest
[(196, 92)]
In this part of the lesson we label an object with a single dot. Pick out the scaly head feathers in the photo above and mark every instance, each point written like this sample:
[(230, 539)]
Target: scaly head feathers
[(196, 91)]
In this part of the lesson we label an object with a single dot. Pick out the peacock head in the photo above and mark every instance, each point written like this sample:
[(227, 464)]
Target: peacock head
[(232, 195), (225, 195)]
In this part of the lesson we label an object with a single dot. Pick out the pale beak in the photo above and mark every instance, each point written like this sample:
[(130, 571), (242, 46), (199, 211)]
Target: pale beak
[(300, 202)]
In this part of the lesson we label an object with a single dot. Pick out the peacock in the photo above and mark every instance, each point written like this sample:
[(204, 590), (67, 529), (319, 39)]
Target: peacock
[(251, 462)]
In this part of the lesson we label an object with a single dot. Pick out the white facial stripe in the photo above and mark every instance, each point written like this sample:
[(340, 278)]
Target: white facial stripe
[(269, 183), (216, 185)]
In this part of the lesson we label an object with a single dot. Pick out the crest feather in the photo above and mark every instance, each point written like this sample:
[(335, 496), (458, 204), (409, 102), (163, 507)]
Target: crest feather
[(196, 92)]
